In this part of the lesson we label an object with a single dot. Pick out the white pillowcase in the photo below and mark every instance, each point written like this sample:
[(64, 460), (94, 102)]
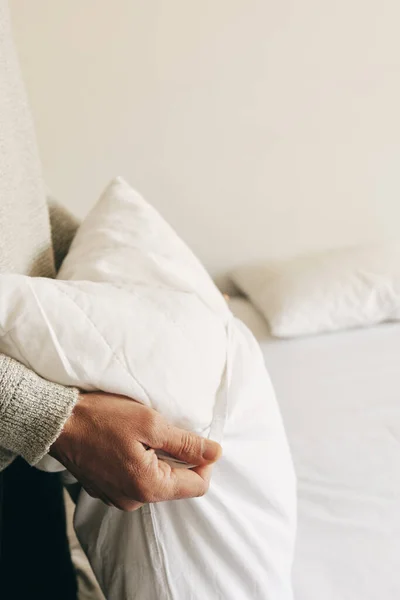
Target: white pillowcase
[(329, 291)]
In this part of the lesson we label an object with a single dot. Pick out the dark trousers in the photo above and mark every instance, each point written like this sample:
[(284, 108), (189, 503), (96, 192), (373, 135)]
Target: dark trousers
[(35, 562)]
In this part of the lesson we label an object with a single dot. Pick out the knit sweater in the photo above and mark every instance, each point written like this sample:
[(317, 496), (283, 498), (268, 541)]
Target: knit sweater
[(32, 410)]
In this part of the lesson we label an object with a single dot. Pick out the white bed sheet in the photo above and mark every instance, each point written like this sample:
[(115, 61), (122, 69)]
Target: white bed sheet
[(340, 399)]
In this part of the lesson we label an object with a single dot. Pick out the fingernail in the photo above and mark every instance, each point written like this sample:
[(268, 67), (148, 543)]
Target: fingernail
[(211, 450)]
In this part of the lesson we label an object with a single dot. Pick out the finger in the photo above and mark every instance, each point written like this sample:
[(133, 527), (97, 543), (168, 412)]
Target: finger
[(96, 493), (122, 503), (157, 481), (189, 447), (177, 484), (127, 505), (204, 472), (89, 490), (189, 483)]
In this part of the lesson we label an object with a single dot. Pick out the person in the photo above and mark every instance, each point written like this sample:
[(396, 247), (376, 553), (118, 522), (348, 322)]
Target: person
[(37, 416)]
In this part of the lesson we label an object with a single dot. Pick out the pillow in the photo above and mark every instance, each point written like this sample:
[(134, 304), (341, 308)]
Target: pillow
[(328, 291), (150, 280), (135, 313)]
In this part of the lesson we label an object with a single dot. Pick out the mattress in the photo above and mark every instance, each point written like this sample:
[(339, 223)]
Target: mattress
[(340, 399)]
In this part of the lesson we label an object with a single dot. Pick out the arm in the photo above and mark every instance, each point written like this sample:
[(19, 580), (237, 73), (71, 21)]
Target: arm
[(33, 411)]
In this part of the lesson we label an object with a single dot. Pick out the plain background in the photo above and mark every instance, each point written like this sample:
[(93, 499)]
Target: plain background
[(259, 128)]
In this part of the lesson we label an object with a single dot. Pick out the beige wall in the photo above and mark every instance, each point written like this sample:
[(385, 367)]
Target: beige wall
[(258, 127)]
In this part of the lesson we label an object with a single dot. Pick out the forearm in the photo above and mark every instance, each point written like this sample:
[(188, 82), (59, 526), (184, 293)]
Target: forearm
[(33, 411)]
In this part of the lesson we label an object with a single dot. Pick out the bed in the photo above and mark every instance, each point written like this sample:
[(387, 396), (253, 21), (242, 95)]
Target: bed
[(340, 399)]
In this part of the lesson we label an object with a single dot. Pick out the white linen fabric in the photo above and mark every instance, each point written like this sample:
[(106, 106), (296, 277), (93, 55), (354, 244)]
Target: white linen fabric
[(341, 409), (136, 314), (328, 291)]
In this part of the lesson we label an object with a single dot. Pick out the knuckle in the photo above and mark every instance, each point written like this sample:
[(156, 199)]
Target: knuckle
[(120, 504), (190, 445), (146, 497), (125, 505), (137, 488), (203, 490), (145, 493), (152, 426)]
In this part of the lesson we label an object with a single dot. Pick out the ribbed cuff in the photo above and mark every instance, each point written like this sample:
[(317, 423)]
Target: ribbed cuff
[(33, 411)]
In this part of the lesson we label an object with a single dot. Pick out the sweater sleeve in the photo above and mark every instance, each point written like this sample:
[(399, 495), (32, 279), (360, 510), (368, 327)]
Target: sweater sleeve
[(63, 228), (33, 411)]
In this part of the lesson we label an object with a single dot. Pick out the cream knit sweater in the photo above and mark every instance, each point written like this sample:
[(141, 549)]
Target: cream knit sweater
[(32, 411)]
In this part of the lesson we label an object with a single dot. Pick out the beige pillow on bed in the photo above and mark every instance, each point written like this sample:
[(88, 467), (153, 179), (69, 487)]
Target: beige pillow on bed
[(329, 291)]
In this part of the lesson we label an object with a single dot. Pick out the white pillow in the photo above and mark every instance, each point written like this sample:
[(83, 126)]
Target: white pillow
[(329, 291), (125, 266), (137, 314)]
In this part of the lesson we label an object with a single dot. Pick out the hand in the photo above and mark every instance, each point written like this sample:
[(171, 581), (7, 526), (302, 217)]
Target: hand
[(109, 445)]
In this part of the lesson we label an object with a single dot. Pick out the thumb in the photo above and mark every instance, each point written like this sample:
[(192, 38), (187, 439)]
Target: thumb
[(190, 447)]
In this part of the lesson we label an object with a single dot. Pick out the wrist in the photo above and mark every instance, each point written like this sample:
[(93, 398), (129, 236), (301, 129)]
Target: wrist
[(58, 449)]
